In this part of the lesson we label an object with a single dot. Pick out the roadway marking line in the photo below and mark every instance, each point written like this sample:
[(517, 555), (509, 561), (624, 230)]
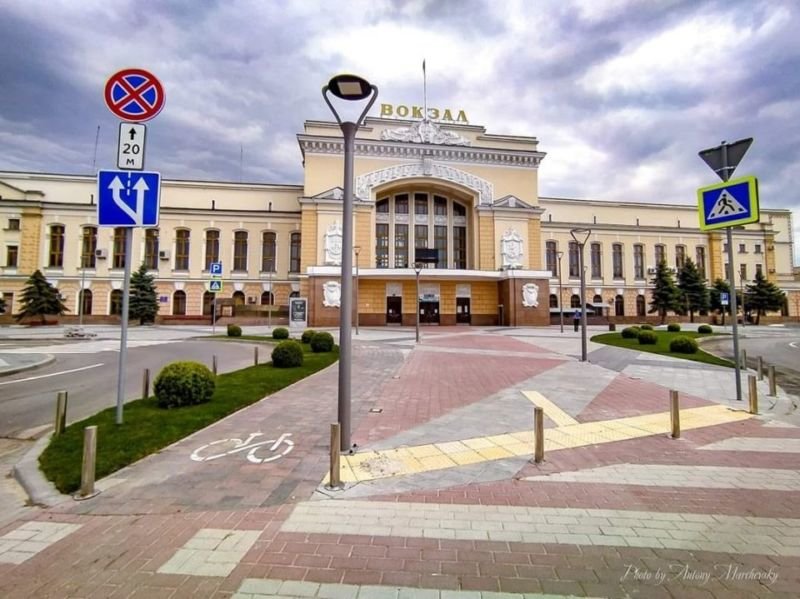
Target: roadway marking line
[(794, 344), (551, 410), (44, 376)]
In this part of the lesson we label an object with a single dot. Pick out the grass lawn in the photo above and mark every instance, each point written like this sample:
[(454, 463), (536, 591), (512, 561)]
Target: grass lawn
[(148, 428), (662, 346)]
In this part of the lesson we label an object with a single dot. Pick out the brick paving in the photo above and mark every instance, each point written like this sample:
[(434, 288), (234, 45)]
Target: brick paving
[(173, 527)]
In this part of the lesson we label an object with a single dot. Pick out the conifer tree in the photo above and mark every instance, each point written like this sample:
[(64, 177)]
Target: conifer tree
[(143, 299), (665, 294), (40, 298), (715, 298), (763, 295), (693, 290)]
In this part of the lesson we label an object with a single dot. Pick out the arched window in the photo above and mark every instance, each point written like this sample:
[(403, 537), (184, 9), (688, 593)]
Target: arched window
[(89, 247), (553, 300), (212, 248), (238, 298), (182, 249), (575, 301), (597, 307), (151, 249), (179, 303), (619, 306), (640, 305), (118, 257), (268, 251), (208, 302), (85, 299), (267, 299), (240, 251), (294, 252), (294, 294), (56, 256), (115, 303)]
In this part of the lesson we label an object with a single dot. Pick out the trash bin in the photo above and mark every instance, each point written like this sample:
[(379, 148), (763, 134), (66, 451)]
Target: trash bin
[(612, 326)]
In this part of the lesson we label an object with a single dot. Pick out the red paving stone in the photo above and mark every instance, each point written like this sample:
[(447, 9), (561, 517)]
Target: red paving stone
[(485, 342)]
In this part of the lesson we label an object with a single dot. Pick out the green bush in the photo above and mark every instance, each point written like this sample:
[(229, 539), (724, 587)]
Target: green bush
[(683, 345), (630, 332), (183, 384), (647, 338), (234, 330), (646, 327), (280, 333), (307, 335), (321, 342), (673, 327), (287, 354), (705, 329)]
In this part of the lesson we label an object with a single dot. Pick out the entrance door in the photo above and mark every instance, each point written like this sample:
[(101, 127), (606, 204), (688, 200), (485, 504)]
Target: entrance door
[(429, 312), (394, 310), (462, 310)]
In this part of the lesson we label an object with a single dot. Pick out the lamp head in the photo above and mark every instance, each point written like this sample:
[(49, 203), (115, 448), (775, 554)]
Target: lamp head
[(349, 87), (580, 235), (417, 267)]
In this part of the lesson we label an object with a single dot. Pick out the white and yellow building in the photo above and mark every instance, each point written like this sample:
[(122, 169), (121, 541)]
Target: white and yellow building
[(452, 187)]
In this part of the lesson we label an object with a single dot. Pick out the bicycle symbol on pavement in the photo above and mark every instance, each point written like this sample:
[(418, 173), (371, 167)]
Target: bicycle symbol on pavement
[(272, 445)]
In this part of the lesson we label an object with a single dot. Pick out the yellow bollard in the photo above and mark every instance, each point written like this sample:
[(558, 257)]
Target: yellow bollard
[(675, 414), (538, 425), (751, 382), (336, 441)]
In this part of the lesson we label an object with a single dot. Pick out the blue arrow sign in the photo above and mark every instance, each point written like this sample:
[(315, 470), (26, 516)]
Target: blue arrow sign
[(215, 269), (727, 204), (127, 199)]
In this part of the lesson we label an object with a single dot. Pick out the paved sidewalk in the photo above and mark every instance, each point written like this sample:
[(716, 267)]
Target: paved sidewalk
[(442, 499)]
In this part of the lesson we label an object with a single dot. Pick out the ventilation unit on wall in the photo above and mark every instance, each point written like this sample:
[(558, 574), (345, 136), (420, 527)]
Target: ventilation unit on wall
[(100, 254), (163, 254), (651, 270)]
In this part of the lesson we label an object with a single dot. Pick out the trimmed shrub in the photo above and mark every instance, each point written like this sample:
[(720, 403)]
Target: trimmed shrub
[(646, 327), (647, 338), (307, 335), (280, 333), (287, 354), (234, 330), (673, 327), (183, 384), (704, 329), (630, 332), (321, 342), (683, 345)]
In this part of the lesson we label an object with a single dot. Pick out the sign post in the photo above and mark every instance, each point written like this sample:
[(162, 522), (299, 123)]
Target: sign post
[(124, 198), (214, 286), (723, 206)]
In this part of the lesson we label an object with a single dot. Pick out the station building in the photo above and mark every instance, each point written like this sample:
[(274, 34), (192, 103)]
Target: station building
[(451, 187)]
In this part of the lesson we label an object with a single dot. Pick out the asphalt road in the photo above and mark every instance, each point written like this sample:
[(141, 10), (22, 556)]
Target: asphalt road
[(28, 399)]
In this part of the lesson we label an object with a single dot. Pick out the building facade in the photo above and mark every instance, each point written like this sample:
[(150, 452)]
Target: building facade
[(454, 188)]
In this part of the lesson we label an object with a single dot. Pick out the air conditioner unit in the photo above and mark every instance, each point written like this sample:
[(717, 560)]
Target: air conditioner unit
[(100, 254), (163, 255), (651, 270)]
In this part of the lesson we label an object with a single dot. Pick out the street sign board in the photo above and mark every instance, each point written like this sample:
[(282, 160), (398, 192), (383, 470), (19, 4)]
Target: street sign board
[(130, 149), (724, 298), (727, 204), (134, 95), (215, 286), (215, 269), (128, 199), (735, 152)]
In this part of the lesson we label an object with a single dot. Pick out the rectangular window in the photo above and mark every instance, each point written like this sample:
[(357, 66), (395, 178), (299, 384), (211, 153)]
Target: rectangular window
[(8, 298), (574, 266), (439, 206), (440, 243), (382, 206), (680, 256), (460, 248), (743, 271), (268, 244), (56, 246), (759, 270), (742, 248), (596, 258), (294, 253), (638, 261), (616, 261), (182, 249), (725, 247), (401, 246), (212, 248), (700, 259), (757, 249), (421, 236), (421, 203), (661, 255), (401, 204), (551, 256), (118, 258), (151, 249), (13, 224), (240, 251), (382, 245), (12, 253), (88, 247)]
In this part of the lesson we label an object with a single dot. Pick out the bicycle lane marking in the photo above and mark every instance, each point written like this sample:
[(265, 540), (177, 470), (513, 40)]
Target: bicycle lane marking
[(240, 445)]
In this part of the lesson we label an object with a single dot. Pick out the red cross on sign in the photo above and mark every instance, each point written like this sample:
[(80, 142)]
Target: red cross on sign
[(134, 95)]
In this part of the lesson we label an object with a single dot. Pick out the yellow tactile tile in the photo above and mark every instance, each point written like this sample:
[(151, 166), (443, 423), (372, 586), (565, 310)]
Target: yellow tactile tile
[(451, 447), (479, 443), (437, 462), (495, 453), (424, 451), (551, 410)]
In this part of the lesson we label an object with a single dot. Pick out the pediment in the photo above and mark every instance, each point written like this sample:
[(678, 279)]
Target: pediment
[(335, 193), (512, 201)]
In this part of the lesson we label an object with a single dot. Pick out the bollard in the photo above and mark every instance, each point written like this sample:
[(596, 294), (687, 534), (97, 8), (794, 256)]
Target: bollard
[(760, 368), (675, 414), (61, 412), (743, 361), (255, 356), (336, 443), (214, 365), (773, 389), (88, 468), (753, 393), (538, 425), (146, 383)]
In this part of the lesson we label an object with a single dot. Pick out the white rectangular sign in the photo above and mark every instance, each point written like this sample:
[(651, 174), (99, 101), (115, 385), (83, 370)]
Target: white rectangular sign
[(130, 153)]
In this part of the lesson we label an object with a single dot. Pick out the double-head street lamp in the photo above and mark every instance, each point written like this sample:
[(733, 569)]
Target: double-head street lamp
[(581, 236), (417, 270), (560, 302), (349, 88)]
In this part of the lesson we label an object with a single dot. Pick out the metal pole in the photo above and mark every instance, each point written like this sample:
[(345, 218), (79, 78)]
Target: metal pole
[(271, 300), (560, 296), (81, 291), (356, 292), (214, 315), (583, 303), (538, 425), (674, 414), (146, 383), (335, 472), (123, 340), (773, 389), (61, 412), (88, 466), (752, 393), (760, 368), (732, 285), (214, 365), (255, 356), (417, 304)]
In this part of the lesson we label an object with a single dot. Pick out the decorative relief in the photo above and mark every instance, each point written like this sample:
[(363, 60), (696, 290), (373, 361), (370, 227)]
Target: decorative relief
[(420, 219), (429, 291), (460, 221), (401, 218), (530, 295), (331, 294), (425, 132), (333, 244), (511, 249), (365, 183), (440, 219), (382, 217)]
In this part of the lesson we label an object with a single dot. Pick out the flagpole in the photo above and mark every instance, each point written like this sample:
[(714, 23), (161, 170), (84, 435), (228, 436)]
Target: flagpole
[(424, 92)]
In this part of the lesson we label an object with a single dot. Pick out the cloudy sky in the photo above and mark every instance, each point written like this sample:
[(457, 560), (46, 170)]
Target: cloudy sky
[(621, 93)]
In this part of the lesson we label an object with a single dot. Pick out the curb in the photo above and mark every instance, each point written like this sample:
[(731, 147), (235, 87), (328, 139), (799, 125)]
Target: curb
[(40, 491), (48, 359)]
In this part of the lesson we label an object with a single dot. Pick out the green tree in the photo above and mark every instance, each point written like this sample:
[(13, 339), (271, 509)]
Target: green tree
[(143, 298), (693, 290), (665, 294), (40, 298), (715, 300), (763, 296)]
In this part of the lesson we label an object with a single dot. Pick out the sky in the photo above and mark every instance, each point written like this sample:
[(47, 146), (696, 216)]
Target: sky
[(622, 94)]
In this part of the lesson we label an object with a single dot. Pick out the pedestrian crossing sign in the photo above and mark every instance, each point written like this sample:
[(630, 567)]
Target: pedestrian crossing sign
[(727, 204), (215, 286)]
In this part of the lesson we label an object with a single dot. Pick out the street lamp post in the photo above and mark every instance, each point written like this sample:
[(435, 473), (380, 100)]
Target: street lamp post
[(417, 270), (348, 88), (560, 297), (357, 249), (581, 236)]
